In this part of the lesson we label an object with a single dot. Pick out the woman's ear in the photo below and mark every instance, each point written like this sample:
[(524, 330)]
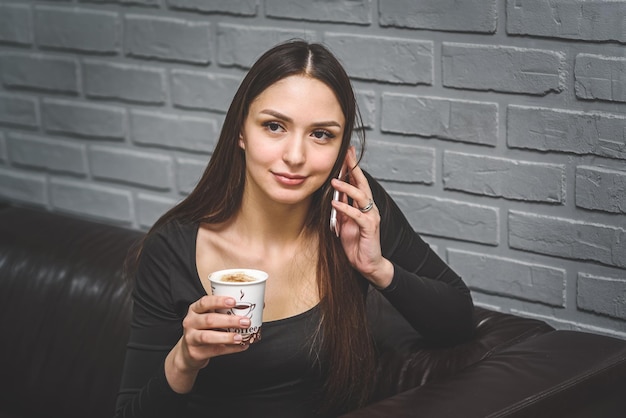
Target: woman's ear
[(242, 144)]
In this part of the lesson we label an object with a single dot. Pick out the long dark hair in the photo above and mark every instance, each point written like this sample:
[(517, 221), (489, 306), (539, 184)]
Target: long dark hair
[(345, 341)]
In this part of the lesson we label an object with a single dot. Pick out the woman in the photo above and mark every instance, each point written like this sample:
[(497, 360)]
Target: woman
[(264, 202)]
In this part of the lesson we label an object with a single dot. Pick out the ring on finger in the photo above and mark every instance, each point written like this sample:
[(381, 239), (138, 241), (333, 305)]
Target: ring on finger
[(367, 207)]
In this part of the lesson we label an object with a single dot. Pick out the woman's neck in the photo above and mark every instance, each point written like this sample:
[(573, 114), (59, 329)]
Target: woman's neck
[(271, 222), (267, 240)]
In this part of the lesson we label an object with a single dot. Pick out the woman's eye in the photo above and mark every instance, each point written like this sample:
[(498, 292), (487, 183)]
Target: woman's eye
[(272, 126), (323, 135)]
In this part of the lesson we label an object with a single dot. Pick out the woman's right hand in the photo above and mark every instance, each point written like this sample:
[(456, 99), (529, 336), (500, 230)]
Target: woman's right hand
[(204, 336)]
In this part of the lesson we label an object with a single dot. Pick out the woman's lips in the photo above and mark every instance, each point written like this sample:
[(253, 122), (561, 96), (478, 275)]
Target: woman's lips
[(289, 179)]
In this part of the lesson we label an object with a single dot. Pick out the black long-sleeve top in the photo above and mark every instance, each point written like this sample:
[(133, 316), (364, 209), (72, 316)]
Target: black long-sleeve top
[(275, 376)]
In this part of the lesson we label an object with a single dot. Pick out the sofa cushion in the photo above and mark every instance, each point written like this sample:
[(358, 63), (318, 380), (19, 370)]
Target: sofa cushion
[(64, 313)]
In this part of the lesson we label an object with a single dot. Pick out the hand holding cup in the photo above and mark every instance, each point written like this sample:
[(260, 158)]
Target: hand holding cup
[(247, 287)]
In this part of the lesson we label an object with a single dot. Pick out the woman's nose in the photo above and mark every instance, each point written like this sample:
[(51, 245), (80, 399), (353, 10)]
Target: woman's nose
[(294, 152)]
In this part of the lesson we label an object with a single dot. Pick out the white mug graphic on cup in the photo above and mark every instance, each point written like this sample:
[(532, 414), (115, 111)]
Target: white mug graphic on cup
[(247, 287)]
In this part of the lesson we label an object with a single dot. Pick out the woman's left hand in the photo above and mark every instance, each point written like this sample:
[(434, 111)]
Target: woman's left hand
[(359, 227)]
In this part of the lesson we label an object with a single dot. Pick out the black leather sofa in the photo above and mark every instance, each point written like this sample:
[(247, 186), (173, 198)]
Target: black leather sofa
[(65, 309)]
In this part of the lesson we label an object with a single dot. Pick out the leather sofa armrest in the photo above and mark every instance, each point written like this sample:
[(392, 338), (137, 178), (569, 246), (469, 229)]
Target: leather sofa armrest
[(409, 361), (558, 374)]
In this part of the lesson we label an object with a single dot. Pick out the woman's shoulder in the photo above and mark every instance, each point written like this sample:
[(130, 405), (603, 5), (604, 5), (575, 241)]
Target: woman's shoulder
[(174, 233), (173, 227)]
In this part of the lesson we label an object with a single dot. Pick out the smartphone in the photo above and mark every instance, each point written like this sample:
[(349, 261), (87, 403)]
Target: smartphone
[(334, 225)]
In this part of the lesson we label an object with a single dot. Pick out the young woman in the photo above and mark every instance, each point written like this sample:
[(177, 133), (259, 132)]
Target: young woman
[(264, 202)]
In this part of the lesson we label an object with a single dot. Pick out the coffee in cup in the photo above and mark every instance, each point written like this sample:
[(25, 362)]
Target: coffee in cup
[(237, 277)]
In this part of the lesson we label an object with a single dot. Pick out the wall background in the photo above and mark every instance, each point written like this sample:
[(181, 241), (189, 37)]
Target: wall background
[(498, 126)]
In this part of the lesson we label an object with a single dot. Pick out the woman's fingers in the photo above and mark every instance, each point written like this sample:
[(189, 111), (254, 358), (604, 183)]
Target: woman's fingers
[(363, 205), (202, 315), (362, 194), (210, 303), (206, 337)]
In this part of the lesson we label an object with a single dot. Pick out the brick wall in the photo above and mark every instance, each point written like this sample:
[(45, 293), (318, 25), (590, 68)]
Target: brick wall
[(499, 126)]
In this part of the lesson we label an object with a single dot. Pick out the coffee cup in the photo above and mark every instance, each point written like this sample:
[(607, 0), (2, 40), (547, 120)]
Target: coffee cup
[(247, 287)]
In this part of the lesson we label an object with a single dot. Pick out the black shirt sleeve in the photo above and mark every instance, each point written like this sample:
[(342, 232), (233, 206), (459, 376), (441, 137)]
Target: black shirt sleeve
[(425, 290), (156, 326)]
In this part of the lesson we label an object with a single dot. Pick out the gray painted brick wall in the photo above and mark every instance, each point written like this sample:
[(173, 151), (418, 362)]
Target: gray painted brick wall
[(133, 83), (167, 38), (501, 177), (78, 29), (21, 70), (600, 78), (16, 24), (18, 110), (457, 120), (502, 68), (498, 126), (598, 188)]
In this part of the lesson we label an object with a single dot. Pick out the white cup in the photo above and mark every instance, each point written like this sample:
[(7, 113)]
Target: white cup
[(249, 295)]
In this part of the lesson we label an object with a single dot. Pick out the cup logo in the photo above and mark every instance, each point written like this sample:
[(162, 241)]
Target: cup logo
[(242, 308)]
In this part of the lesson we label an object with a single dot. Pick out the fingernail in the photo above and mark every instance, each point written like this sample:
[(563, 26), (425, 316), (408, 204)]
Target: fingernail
[(244, 322), (230, 302), (237, 338)]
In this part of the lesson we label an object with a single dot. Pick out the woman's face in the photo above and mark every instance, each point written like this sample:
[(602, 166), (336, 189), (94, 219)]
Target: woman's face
[(291, 137)]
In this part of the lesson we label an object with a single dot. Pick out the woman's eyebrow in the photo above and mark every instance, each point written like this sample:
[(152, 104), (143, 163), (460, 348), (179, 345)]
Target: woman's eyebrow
[(276, 114), (286, 118)]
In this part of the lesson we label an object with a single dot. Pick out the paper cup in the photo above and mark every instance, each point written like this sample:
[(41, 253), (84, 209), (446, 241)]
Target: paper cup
[(247, 287)]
